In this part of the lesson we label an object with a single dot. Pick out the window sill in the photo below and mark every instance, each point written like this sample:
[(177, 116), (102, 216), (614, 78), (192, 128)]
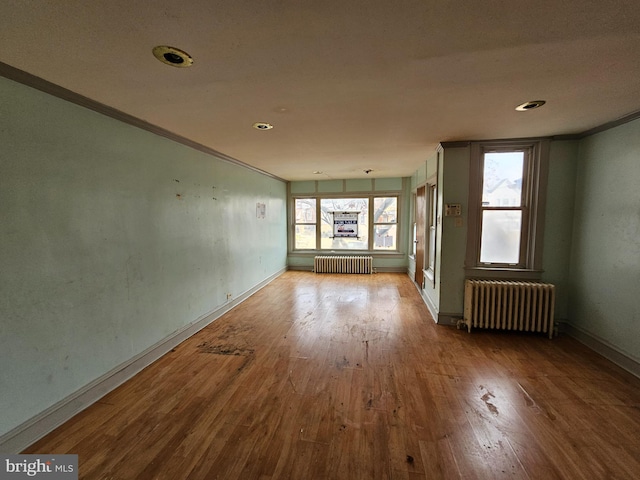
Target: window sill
[(503, 273)]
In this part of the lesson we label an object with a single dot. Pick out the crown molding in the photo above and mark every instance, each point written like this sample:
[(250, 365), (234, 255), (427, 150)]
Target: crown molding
[(45, 86)]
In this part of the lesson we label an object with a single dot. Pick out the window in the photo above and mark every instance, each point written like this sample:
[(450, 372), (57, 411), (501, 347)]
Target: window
[(385, 219), (432, 202), (377, 227), (414, 235), (305, 224), (356, 205), (503, 208), (506, 206)]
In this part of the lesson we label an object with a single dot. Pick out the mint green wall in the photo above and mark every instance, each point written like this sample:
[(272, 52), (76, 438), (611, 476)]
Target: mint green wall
[(431, 289), (453, 185), (427, 172), (558, 229), (605, 265), (419, 177), (112, 239)]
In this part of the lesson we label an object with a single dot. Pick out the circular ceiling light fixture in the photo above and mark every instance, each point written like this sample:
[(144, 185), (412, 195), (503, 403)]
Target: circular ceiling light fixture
[(172, 56), (262, 126), (530, 105)]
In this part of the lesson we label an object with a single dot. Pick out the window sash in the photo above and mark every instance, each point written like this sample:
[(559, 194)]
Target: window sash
[(522, 208), (535, 172)]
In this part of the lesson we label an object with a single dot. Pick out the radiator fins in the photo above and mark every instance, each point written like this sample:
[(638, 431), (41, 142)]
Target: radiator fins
[(506, 305), (343, 264)]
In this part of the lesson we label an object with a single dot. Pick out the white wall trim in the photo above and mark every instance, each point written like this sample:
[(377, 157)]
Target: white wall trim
[(38, 426), (301, 268), (427, 301), (604, 348), (38, 83), (305, 268), (389, 269), (449, 319)]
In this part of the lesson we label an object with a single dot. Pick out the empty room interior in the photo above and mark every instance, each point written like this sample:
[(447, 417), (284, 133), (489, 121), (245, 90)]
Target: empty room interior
[(312, 240)]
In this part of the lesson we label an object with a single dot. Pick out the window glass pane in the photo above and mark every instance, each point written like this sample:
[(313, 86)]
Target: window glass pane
[(385, 237), (385, 210), (501, 236), (342, 243), (432, 248), (414, 238), (305, 210), (329, 205), (305, 237), (502, 179)]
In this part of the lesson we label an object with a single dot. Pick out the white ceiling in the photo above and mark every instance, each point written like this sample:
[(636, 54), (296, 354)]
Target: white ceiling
[(349, 85)]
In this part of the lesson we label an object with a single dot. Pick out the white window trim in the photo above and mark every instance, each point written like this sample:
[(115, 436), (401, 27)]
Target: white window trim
[(431, 224)]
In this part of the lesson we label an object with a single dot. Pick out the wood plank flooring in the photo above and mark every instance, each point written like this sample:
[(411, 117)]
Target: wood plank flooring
[(348, 377)]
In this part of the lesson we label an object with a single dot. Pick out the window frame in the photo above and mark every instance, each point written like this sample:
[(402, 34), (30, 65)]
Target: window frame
[(431, 233), (331, 226), (370, 227), (296, 223), (372, 221), (534, 184)]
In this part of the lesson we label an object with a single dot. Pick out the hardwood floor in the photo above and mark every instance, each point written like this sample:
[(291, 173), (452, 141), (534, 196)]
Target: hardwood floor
[(348, 377)]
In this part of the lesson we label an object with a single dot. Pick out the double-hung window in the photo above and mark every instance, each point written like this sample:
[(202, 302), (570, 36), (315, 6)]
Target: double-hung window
[(376, 229), (385, 220), (506, 206), (305, 224)]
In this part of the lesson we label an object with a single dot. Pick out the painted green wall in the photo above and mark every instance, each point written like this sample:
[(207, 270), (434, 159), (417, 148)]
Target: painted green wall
[(605, 265), (453, 186), (558, 230), (454, 182), (431, 289), (112, 239)]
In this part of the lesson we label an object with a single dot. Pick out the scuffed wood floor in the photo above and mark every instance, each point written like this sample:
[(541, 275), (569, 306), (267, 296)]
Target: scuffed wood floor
[(348, 377)]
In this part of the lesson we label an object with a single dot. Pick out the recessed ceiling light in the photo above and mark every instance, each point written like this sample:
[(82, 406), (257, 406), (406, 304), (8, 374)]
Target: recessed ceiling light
[(530, 105), (368, 171), (262, 126), (172, 56)]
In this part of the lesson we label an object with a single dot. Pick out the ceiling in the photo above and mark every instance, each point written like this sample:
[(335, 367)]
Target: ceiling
[(349, 85)]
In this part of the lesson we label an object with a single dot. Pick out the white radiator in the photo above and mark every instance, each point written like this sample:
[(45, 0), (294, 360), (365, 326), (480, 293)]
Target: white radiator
[(523, 306), (343, 264)]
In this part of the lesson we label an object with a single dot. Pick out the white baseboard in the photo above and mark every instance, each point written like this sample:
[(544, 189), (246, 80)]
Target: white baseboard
[(427, 301), (301, 268), (38, 426), (449, 319), (603, 347), (390, 269)]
